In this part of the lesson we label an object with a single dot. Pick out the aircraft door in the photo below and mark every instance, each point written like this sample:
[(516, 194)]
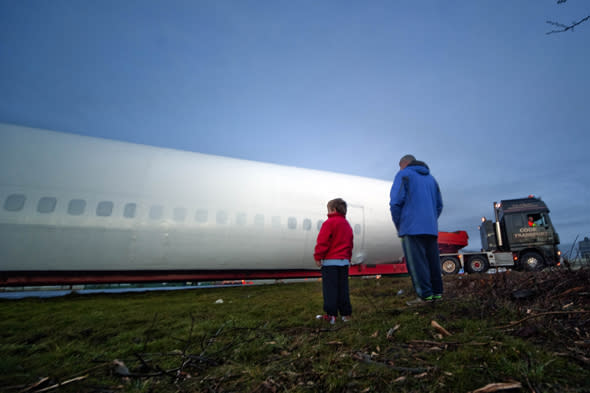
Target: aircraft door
[(356, 218), (309, 243)]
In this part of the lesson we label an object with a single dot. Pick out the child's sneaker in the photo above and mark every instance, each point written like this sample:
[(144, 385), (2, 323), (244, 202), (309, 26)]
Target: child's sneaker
[(328, 318), (346, 318), (437, 298)]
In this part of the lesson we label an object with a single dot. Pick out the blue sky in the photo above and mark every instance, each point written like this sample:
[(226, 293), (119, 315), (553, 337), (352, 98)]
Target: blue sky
[(496, 107)]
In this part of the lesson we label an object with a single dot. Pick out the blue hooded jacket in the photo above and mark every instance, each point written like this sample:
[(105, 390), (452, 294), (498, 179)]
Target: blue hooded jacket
[(415, 201)]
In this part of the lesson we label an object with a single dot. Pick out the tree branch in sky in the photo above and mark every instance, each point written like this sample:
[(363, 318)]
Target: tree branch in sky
[(565, 27)]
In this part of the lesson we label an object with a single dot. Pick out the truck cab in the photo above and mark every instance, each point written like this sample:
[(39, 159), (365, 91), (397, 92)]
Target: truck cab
[(523, 227)]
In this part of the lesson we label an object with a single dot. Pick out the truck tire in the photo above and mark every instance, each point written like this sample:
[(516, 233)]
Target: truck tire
[(531, 261), (450, 265), (477, 264)]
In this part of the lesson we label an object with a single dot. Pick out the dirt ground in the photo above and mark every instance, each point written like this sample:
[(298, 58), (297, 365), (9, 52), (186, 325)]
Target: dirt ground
[(553, 305)]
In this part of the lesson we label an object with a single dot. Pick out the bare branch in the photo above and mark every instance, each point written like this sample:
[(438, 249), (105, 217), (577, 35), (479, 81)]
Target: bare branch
[(565, 27), (59, 385), (514, 323)]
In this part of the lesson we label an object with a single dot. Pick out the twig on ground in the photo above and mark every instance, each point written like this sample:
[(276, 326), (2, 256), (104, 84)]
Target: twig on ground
[(438, 327), (147, 332), (60, 384), (514, 323), (33, 386), (494, 387)]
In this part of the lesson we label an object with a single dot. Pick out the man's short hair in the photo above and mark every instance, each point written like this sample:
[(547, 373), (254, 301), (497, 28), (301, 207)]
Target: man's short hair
[(407, 159), (337, 204)]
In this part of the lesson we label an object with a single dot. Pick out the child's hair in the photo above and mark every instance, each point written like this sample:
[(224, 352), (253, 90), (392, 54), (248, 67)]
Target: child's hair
[(338, 204)]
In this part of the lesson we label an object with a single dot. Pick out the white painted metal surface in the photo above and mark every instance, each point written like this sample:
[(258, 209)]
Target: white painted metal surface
[(191, 211)]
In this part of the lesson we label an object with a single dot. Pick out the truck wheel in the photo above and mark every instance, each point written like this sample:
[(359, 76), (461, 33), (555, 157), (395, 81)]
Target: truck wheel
[(450, 265), (531, 261), (477, 264)]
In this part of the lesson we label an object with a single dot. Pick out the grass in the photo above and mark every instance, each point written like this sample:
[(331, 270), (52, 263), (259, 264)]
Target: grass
[(265, 339)]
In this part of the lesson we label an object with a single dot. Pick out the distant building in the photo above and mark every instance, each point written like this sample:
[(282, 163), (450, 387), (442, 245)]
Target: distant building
[(584, 248)]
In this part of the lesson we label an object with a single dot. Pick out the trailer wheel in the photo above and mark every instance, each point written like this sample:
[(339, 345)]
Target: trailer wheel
[(531, 261), (477, 264), (450, 265)]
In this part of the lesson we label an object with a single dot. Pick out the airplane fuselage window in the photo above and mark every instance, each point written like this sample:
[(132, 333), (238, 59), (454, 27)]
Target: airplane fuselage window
[(307, 224), (14, 202), (76, 207), (129, 210), (156, 212), (179, 214), (276, 222), (221, 217), (201, 215), (259, 220), (104, 208), (46, 204)]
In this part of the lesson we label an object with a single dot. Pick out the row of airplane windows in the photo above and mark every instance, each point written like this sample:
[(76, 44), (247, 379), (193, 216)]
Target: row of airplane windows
[(77, 207)]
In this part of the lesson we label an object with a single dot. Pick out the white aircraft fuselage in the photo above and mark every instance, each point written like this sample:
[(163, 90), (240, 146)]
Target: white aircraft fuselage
[(76, 208)]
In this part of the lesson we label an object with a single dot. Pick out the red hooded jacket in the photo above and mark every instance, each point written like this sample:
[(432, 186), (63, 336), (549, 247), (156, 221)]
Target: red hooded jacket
[(335, 239)]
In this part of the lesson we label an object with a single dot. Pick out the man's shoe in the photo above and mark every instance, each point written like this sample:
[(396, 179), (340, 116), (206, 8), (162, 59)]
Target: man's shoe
[(437, 298), (419, 301), (327, 318), (346, 318)]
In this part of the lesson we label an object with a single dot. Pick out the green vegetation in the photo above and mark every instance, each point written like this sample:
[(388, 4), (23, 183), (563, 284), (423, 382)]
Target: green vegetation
[(266, 339)]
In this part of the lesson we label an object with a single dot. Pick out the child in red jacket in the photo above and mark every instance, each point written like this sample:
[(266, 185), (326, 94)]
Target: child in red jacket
[(333, 251)]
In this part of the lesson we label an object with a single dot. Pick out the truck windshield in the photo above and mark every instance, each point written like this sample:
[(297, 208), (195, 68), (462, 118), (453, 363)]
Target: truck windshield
[(537, 219)]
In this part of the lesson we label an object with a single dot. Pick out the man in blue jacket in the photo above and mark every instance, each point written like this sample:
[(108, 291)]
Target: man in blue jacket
[(415, 204)]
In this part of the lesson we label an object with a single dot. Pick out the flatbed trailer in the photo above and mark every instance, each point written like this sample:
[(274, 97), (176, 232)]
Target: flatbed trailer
[(475, 262)]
